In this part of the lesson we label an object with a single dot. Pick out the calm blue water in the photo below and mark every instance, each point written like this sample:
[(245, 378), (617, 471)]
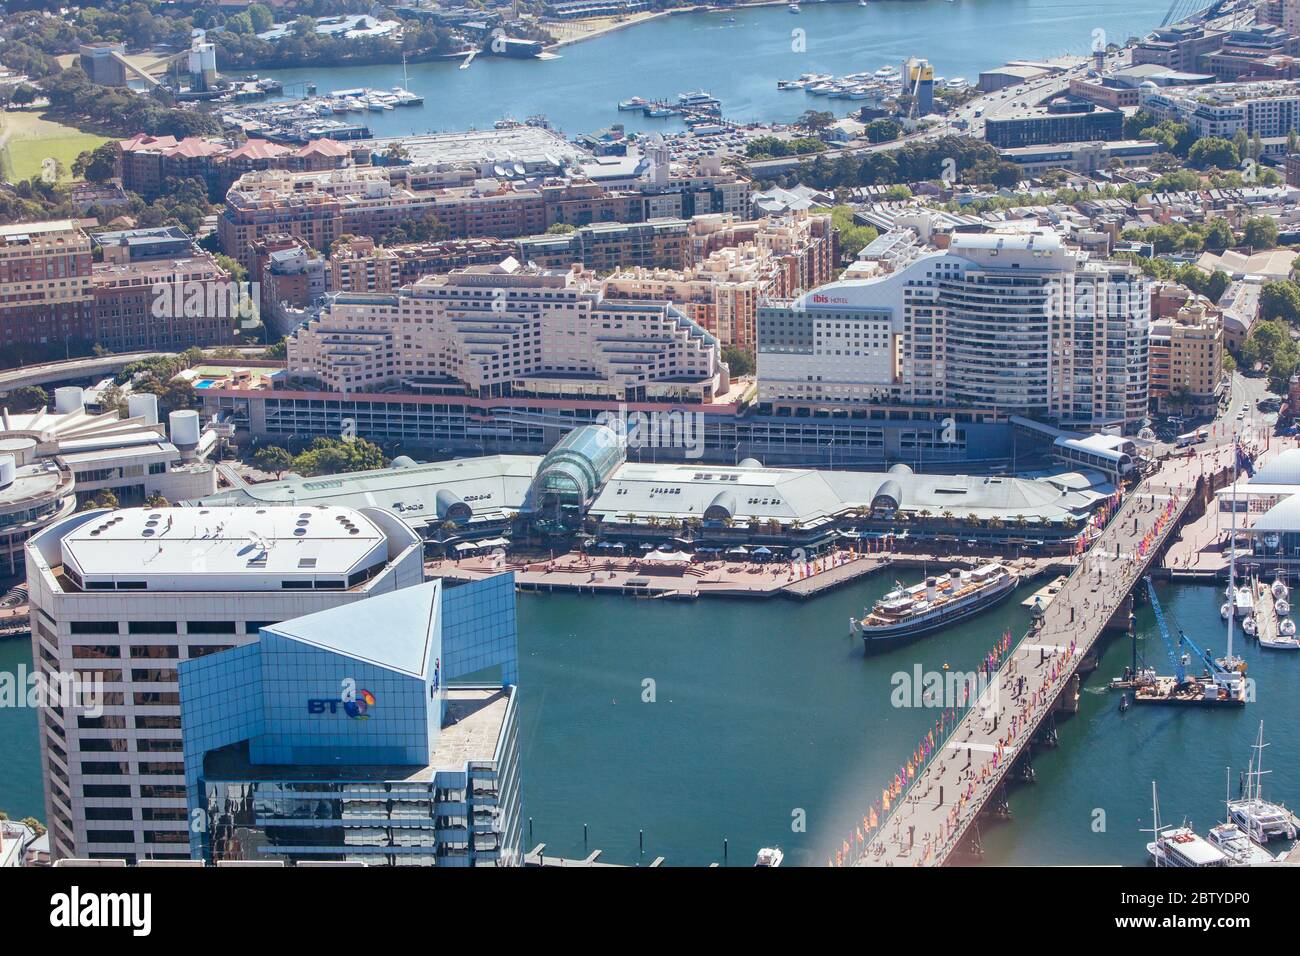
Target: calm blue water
[(763, 710), (739, 62), (766, 709)]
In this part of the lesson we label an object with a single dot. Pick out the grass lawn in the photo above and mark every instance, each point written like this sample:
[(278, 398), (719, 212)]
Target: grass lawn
[(28, 140)]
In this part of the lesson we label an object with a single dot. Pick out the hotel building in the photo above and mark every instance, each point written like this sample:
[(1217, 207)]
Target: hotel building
[(507, 330), (360, 265), (605, 246), (156, 289), (128, 595), (1187, 359), (350, 741), (320, 207), (1269, 109), (734, 266), (45, 285), (1004, 323)]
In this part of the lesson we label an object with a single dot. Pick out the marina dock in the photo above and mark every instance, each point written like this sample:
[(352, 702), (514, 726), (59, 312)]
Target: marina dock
[(936, 817)]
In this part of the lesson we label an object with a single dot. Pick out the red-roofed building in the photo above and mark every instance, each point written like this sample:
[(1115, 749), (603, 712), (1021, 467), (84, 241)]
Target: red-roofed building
[(319, 155), (253, 156), (148, 161)]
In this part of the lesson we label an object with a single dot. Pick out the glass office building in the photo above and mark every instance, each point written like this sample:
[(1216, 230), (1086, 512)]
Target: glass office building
[(356, 735)]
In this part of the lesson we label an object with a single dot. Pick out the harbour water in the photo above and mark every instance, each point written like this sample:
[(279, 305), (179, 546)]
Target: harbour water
[(765, 714), (738, 62)]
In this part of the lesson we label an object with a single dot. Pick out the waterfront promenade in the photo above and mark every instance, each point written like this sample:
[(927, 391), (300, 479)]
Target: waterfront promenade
[(576, 572), (933, 816)]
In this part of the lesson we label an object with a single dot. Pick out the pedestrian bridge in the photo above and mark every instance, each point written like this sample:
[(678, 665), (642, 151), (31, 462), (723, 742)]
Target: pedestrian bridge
[(936, 816)]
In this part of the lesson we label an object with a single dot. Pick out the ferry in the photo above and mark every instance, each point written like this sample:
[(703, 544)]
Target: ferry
[(793, 8), (1179, 846), (769, 856), (906, 613), (698, 100), (635, 103)]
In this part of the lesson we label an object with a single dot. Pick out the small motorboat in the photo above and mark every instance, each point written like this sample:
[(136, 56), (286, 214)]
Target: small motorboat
[(769, 856)]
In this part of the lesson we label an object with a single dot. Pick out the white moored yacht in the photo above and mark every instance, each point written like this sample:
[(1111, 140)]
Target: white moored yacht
[(1240, 849), (1261, 820), (906, 613)]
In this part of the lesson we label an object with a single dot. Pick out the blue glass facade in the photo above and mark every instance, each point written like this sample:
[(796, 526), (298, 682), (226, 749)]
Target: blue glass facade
[(337, 736)]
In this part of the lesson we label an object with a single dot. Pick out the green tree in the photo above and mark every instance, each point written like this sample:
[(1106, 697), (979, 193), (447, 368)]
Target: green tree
[(332, 456), (261, 18), (98, 165), (739, 361), (1260, 232), (273, 458), (27, 399), (1213, 151), (815, 120)]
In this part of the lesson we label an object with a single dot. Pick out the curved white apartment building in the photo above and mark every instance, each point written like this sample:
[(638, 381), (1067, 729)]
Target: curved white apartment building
[(1012, 323)]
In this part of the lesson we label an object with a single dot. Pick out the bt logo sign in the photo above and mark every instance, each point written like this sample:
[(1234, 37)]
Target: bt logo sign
[(357, 708)]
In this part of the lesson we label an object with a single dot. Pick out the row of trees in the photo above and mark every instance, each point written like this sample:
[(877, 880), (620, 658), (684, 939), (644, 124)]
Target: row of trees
[(116, 111), (324, 456), (239, 48), (1214, 234), (959, 157)]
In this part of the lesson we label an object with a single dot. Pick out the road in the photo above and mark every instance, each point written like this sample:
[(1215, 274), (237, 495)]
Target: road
[(91, 366)]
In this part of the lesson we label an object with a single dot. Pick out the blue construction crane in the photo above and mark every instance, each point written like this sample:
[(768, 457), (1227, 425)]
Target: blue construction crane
[(1177, 656)]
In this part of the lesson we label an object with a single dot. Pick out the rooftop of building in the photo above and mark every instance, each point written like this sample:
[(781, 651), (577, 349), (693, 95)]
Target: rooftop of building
[(490, 485), (32, 484), (392, 630), (473, 724), (109, 273), (172, 547), (810, 496), (24, 231)]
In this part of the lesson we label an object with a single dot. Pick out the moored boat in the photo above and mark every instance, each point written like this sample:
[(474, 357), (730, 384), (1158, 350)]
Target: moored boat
[(906, 613), (769, 856)]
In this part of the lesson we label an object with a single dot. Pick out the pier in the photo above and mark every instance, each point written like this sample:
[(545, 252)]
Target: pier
[(936, 817)]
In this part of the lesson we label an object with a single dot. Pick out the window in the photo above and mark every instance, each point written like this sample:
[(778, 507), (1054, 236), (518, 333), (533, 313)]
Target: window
[(110, 790), (109, 813), (94, 627), (167, 652), (210, 627), (151, 627)]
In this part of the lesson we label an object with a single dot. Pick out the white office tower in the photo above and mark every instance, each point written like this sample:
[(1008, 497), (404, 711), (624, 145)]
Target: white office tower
[(125, 595), (998, 324)]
